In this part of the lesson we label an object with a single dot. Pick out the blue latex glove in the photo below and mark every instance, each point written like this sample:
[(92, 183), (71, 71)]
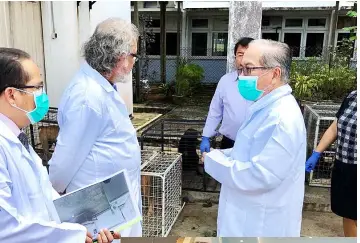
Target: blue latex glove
[(312, 161), (205, 145)]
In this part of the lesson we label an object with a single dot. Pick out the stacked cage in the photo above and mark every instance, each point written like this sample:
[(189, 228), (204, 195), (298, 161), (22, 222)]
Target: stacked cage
[(161, 192), (182, 136), (43, 135), (318, 117)]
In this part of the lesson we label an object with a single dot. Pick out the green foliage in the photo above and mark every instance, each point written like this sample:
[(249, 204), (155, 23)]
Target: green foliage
[(188, 78), (314, 80), (352, 29), (167, 89)]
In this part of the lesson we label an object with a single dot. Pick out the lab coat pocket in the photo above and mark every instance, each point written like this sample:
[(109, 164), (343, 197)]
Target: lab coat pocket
[(233, 221), (275, 222)]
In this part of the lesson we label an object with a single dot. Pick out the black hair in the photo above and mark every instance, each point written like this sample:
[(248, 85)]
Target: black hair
[(242, 42), (12, 73)]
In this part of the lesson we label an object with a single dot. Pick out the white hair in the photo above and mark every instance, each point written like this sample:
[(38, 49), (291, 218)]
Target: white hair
[(112, 38), (275, 54)]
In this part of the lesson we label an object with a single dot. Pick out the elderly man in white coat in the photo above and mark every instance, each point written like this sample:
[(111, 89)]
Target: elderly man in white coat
[(96, 137), (262, 176), (27, 211)]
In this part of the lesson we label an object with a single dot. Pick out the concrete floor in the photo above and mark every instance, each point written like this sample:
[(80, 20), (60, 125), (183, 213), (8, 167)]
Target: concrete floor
[(196, 220)]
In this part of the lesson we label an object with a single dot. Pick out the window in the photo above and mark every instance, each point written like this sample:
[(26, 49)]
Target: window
[(200, 23), (154, 47), (341, 47), (265, 21), (171, 42), (317, 22), (294, 42), (150, 4), (345, 21), (314, 44), (293, 22), (270, 36), (219, 44), (155, 23), (199, 44)]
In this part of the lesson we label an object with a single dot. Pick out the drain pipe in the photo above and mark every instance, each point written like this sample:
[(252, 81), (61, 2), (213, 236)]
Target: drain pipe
[(53, 34)]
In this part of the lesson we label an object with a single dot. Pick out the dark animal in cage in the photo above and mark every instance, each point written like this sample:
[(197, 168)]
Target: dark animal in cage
[(146, 192), (47, 136), (187, 147)]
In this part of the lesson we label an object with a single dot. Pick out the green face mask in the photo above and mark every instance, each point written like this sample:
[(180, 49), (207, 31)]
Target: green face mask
[(41, 106)]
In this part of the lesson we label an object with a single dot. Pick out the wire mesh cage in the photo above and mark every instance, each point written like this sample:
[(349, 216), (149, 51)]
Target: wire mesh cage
[(161, 193), (183, 136), (43, 135), (318, 117)]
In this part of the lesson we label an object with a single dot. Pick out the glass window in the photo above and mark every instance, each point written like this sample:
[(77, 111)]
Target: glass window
[(265, 21), (171, 44), (200, 23), (317, 22), (270, 36), (219, 44), (294, 42), (345, 21), (293, 22), (341, 47), (153, 48), (314, 44), (199, 44), (150, 4), (155, 23)]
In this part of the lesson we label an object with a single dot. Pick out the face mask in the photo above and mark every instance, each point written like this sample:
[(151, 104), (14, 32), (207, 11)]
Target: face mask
[(41, 106), (247, 86)]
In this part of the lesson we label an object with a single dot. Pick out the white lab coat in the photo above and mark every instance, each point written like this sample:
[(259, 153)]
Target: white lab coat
[(27, 213), (262, 176), (96, 138)]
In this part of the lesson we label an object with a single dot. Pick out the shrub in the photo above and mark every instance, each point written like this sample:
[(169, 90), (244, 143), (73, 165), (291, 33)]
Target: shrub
[(188, 78)]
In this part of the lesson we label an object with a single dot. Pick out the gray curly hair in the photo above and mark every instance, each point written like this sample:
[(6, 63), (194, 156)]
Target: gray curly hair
[(112, 38)]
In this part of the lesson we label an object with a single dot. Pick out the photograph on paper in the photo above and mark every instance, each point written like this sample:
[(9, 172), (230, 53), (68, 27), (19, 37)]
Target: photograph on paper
[(106, 204)]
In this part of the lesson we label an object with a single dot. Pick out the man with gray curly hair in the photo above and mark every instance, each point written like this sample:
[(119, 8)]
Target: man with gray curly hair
[(97, 138)]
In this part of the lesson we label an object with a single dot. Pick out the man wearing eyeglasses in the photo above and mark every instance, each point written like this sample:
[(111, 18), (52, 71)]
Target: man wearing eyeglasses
[(227, 105), (97, 138), (262, 176)]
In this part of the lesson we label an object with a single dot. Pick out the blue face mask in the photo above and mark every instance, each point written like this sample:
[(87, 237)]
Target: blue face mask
[(41, 106), (247, 86)]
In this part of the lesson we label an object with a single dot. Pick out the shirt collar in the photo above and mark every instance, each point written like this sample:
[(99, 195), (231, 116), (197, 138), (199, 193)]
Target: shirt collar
[(270, 98), (97, 76), (10, 124)]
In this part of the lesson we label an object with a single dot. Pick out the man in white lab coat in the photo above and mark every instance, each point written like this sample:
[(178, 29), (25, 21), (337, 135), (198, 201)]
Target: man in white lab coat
[(262, 176), (27, 212), (97, 138)]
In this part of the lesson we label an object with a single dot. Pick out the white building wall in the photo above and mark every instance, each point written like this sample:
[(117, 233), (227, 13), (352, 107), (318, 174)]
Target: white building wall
[(61, 53)]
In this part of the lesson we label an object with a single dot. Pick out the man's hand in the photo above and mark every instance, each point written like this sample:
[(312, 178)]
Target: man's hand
[(104, 236), (205, 145)]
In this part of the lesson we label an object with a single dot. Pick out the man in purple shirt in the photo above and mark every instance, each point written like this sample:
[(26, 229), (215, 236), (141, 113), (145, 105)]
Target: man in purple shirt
[(227, 105)]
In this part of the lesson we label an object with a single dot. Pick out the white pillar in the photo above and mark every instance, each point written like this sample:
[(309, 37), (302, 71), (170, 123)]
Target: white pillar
[(244, 21), (102, 10)]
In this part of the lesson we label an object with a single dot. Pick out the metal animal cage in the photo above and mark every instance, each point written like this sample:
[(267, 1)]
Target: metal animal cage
[(318, 117), (43, 135), (161, 192), (183, 136)]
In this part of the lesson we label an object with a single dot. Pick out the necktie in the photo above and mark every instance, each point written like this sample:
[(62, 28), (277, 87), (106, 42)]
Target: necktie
[(24, 140), (115, 87)]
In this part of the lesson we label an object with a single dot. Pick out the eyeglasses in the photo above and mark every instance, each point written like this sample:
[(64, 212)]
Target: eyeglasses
[(135, 56), (36, 87), (247, 70)]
